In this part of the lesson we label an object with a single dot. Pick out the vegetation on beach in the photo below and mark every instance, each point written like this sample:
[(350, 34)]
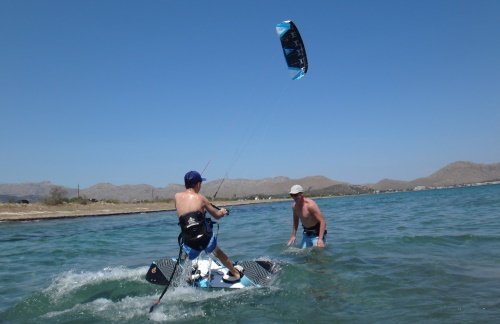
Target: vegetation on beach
[(58, 196)]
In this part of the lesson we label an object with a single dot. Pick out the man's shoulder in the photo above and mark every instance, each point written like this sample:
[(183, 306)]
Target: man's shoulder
[(202, 197), (310, 202)]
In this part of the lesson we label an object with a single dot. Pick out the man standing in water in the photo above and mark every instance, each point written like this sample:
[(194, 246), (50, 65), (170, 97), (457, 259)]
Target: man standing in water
[(197, 234), (312, 219)]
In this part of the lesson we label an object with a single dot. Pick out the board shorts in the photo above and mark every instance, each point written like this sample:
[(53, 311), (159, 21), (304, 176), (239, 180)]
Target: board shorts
[(309, 240), (193, 253)]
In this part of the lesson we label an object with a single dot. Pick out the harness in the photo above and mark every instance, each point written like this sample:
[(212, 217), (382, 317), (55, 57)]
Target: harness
[(196, 230), (313, 230)]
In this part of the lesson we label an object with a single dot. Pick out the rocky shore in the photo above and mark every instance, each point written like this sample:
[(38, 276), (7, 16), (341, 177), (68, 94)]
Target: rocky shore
[(38, 211)]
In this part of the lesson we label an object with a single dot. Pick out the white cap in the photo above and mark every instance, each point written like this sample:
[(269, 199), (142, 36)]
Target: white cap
[(296, 189)]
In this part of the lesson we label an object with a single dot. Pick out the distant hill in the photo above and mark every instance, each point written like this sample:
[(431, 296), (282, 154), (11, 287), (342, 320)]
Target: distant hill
[(342, 189), (388, 184), (31, 191), (244, 188), (457, 173), (230, 189), (454, 174), (128, 193), (461, 173)]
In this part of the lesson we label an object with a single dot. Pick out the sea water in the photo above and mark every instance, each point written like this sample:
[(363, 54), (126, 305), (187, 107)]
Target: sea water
[(427, 256)]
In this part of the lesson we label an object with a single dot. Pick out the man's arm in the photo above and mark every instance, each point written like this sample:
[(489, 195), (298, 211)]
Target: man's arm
[(217, 213), (318, 215), (294, 228)]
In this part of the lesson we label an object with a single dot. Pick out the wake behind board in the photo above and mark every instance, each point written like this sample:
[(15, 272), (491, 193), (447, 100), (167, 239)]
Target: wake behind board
[(209, 273)]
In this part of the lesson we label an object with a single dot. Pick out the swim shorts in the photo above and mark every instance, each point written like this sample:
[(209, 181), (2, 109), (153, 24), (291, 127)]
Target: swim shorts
[(310, 240), (193, 253)]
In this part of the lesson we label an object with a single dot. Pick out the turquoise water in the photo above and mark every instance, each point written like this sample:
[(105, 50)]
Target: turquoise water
[(428, 256)]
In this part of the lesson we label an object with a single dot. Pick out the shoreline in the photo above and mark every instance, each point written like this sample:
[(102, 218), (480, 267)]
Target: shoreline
[(13, 212)]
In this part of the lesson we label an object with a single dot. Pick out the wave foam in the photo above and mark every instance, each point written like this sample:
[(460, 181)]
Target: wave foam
[(70, 281)]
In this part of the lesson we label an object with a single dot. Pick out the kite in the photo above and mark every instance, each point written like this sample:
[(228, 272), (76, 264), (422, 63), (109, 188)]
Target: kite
[(293, 49)]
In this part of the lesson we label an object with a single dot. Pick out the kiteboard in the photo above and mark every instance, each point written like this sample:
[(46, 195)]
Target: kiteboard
[(208, 273)]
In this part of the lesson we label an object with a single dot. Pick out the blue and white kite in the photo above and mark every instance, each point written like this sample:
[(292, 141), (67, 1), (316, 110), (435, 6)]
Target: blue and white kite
[(293, 49)]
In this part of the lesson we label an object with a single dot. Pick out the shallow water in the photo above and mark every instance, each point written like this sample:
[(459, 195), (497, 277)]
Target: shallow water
[(430, 256)]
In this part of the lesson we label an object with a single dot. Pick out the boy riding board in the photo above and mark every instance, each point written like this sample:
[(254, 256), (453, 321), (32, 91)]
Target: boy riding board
[(196, 229)]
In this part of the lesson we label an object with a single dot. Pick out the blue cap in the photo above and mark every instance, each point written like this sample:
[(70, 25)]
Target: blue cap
[(192, 177)]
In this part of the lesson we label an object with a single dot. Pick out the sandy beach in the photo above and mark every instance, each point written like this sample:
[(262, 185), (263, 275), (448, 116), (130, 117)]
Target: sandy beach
[(38, 211)]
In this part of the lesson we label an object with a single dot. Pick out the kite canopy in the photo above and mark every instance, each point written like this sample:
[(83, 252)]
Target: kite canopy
[(293, 49)]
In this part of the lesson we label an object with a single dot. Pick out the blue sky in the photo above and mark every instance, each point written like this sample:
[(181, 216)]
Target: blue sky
[(132, 92)]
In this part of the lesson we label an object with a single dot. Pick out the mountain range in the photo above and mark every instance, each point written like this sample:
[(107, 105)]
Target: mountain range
[(454, 174)]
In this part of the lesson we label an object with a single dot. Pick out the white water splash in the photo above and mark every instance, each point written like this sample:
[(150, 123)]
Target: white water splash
[(175, 306), (70, 281), (125, 309)]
